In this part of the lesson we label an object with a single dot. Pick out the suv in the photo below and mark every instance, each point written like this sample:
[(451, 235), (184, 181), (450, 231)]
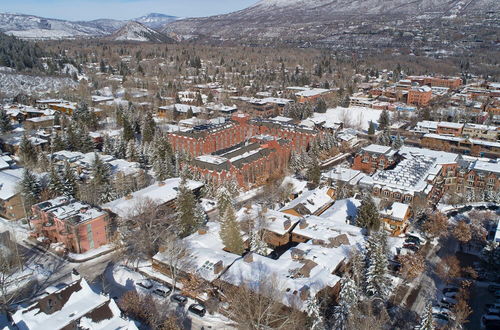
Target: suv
[(146, 284), (197, 309), (179, 299), (162, 292)]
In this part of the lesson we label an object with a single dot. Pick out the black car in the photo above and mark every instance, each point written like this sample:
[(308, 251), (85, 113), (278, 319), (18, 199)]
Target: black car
[(146, 284), (493, 207), (197, 309), (413, 240), (162, 292), (411, 247), (179, 299)]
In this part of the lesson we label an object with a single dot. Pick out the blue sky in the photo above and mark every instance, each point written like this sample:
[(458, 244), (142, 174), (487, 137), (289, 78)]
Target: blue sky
[(121, 9)]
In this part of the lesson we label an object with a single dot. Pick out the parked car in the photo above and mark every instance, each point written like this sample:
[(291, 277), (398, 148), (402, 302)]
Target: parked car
[(488, 306), (162, 291), (493, 311), (490, 321), (413, 240), (146, 284), (411, 247), (197, 309), (179, 299), (441, 310), (493, 207)]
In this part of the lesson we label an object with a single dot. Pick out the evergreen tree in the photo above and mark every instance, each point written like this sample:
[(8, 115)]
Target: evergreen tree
[(230, 231), (385, 138), (368, 216), (384, 120), (100, 171), (224, 200), (371, 128), (69, 181), (398, 142), (42, 161), (148, 128), (57, 143), (320, 106), (128, 132), (348, 299), (27, 152), (427, 320), (131, 153), (55, 186), (5, 125), (86, 144), (188, 219), (377, 281), (30, 190), (313, 310), (314, 171)]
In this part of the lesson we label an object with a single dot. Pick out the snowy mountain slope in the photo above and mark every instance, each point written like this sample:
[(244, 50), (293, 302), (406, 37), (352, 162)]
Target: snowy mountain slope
[(34, 27), (135, 31), (12, 83), (277, 18), (155, 20)]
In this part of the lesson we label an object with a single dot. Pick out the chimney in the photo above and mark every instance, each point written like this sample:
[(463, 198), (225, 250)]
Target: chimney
[(202, 230), (303, 224), (161, 184), (287, 224), (248, 257), (128, 197), (75, 275), (218, 266), (304, 293)]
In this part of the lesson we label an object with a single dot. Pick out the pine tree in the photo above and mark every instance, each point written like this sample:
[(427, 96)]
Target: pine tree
[(86, 144), (313, 310), (100, 171), (320, 106), (42, 161), (148, 128), (427, 320), (368, 216), (55, 186), (69, 181), (27, 152), (188, 219), (5, 125), (30, 190), (384, 138), (314, 171), (230, 232), (377, 281), (128, 132), (131, 153), (384, 120), (348, 299), (57, 143), (398, 142), (224, 200), (371, 128)]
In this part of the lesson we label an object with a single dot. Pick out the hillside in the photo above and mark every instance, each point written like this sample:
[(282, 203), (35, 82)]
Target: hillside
[(155, 20), (319, 20), (134, 31), (19, 55)]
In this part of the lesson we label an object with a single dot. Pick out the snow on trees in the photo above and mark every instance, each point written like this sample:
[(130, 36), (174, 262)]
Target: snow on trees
[(230, 231), (368, 216), (348, 299), (30, 189), (188, 218), (377, 281), (427, 320)]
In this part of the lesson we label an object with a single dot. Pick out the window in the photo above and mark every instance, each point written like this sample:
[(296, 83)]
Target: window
[(386, 192), (471, 177), (491, 180)]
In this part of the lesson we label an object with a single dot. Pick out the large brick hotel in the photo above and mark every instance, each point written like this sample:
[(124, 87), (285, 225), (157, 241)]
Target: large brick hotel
[(244, 149)]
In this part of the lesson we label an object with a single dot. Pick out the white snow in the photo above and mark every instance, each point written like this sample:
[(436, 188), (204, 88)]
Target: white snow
[(359, 117)]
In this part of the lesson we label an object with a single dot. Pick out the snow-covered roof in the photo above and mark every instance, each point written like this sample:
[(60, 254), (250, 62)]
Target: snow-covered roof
[(184, 108), (282, 119), (273, 221), (312, 200), (342, 210), (77, 308), (298, 185), (324, 228), (448, 124), (396, 211), (441, 157), (68, 209), (9, 181), (159, 193), (345, 175), (490, 166), (312, 92), (378, 149)]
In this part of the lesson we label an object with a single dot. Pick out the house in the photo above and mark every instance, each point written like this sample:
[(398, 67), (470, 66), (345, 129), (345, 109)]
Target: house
[(448, 128), (74, 306), (374, 157), (163, 193), (11, 203), (396, 218), (482, 132), (77, 225), (311, 94), (39, 122), (310, 202)]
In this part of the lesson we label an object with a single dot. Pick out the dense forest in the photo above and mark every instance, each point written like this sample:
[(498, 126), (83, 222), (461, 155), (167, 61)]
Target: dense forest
[(20, 55)]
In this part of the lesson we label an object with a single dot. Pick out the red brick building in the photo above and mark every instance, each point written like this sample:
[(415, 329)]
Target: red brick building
[(79, 226), (450, 82), (374, 157), (419, 96), (249, 164), (207, 139)]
